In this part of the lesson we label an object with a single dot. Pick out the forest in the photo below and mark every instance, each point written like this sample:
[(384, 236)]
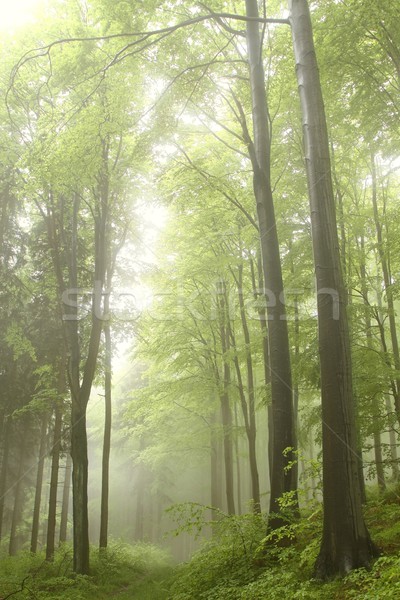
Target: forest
[(200, 296)]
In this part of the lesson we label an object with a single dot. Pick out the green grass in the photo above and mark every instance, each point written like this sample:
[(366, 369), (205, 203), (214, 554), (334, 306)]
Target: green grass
[(122, 571)]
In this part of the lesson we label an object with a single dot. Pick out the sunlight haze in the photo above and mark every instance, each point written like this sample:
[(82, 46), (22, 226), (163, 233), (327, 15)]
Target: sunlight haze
[(16, 14)]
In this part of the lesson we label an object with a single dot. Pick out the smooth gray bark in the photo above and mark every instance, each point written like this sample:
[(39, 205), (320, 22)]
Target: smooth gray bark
[(65, 499), (55, 462), (105, 475), (7, 424), (279, 354), (226, 411), (346, 542), (15, 537), (39, 484)]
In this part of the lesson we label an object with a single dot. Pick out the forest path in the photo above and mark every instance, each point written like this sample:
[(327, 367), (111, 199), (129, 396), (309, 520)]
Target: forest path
[(151, 586)]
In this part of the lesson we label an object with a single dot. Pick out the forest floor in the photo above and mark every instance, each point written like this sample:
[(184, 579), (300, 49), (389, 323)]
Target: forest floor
[(152, 585), (234, 566), (123, 572)]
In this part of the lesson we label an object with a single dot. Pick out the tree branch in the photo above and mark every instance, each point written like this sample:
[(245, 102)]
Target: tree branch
[(142, 35)]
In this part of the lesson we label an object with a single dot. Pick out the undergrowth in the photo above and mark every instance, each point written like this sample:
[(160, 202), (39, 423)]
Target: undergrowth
[(120, 569), (239, 563)]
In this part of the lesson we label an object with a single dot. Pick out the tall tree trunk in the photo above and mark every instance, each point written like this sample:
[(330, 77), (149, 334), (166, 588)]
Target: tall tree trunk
[(79, 488), (392, 442), (251, 428), (65, 499), (346, 543), (259, 292), (226, 411), (46, 495), (279, 355), (141, 488), (296, 393), (55, 462), (107, 434), (139, 523), (215, 465), (226, 414), (388, 284), (39, 484), (158, 520), (379, 315), (4, 468), (313, 481), (346, 262), (238, 470), (80, 389), (380, 472), (393, 387), (15, 536), (346, 267)]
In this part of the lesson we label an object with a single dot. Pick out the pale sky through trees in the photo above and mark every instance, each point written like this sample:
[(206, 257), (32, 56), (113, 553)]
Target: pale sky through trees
[(17, 13)]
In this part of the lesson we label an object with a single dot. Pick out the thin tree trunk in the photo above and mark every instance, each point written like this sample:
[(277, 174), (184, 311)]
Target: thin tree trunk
[(107, 434), (296, 393), (46, 495), (393, 387), (303, 479), (139, 525), (251, 430), (2, 431), (215, 464), (393, 442), (55, 462), (39, 484), (140, 487), (65, 499), (388, 284), (313, 482), (346, 543), (382, 333), (4, 469), (149, 518), (158, 522), (257, 293), (226, 412), (380, 472), (359, 453), (15, 536), (238, 472)]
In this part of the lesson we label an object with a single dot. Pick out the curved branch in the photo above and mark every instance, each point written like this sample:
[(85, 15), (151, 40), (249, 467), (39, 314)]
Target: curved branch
[(142, 35)]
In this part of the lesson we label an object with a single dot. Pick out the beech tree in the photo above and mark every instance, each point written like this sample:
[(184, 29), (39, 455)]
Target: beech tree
[(279, 356), (346, 543)]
